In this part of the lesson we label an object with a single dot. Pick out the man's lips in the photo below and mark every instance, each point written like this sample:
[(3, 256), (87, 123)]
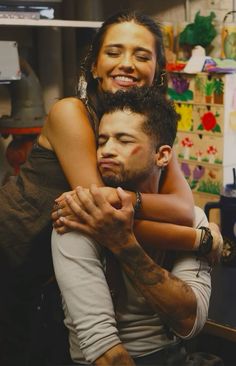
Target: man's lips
[(107, 163)]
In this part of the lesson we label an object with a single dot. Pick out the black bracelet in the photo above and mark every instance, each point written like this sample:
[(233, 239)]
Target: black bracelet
[(138, 203), (206, 242)]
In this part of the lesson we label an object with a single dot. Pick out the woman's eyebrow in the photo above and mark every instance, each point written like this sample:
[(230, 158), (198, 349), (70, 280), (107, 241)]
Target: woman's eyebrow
[(120, 45)]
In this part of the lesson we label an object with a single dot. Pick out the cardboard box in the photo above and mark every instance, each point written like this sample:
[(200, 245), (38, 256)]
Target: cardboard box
[(9, 61)]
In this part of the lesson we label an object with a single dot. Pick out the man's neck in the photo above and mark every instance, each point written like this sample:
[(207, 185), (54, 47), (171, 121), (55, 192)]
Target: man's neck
[(151, 184)]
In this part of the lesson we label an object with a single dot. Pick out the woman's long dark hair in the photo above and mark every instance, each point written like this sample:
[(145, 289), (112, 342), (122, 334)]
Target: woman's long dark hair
[(160, 80)]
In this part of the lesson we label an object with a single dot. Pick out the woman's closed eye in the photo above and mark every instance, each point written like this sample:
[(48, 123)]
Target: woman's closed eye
[(113, 52), (140, 56)]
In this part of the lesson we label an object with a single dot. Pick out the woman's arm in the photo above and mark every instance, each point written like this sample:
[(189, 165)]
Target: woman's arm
[(154, 235), (68, 132), (175, 202), (164, 235), (173, 207)]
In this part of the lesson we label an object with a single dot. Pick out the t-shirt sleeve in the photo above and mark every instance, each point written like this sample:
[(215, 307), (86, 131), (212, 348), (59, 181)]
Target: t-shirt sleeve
[(87, 301)]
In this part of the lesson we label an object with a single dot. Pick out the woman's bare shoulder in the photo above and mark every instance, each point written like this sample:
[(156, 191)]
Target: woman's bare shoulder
[(70, 112), (67, 105)]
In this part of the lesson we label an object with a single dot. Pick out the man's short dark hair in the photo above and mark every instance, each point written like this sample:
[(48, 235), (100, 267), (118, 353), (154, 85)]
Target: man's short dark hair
[(161, 118)]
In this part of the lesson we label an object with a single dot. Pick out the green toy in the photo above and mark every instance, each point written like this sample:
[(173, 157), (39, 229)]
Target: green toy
[(201, 32)]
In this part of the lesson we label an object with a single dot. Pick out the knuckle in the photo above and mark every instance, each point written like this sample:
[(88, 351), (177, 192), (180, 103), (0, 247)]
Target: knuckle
[(99, 220), (107, 211), (130, 210)]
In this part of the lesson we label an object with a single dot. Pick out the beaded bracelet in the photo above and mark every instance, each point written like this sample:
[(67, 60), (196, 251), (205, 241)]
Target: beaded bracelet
[(138, 203)]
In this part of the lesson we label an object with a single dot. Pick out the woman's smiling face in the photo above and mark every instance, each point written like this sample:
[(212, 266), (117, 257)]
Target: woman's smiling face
[(127, 57)]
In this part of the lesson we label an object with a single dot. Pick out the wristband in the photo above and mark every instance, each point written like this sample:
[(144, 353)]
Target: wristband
[(138, 203)]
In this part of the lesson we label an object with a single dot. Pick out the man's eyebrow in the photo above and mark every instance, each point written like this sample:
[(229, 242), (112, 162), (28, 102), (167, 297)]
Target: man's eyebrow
[(100, 135), (126, 134), (117, 135)]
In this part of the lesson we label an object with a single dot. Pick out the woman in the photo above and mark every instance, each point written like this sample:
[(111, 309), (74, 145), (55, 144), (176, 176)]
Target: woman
[(66, 149)]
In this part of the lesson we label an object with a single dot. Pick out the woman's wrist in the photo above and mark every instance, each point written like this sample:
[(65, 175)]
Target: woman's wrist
[(138, 202), (204, 241)]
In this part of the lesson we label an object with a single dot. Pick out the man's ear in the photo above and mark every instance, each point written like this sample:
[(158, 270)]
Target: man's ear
[(163, 156)]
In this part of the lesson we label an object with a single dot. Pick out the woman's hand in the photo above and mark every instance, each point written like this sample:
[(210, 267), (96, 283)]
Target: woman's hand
[(62, 209)]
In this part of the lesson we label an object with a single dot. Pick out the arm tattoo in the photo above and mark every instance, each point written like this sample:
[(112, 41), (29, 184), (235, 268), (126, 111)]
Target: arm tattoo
[(171, 297), (134, 258)]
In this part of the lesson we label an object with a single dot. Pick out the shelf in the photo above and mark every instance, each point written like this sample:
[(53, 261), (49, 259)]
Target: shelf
[(202, 132), (219, 330), (198, 104), (50, 23)]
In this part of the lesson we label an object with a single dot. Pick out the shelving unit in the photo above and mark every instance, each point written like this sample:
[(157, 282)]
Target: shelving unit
[(49, 23), (56, 47), (54, 44), (206, 136)]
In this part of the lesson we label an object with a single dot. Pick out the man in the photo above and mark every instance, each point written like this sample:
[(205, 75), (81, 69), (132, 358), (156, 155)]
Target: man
[(155, 307)]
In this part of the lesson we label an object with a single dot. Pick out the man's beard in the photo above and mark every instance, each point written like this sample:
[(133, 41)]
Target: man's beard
[(129, 180)]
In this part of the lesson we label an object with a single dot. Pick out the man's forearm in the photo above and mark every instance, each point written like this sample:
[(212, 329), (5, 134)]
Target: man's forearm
[(171, 297), (116, 356)]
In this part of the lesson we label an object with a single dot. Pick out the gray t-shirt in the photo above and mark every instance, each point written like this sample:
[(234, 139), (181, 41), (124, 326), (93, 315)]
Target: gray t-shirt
[(93, 327)]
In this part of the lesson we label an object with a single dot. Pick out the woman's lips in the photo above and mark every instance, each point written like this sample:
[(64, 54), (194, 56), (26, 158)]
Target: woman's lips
[(125, 81)]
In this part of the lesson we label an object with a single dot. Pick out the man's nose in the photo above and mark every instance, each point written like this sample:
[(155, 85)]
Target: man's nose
[(108, 149)]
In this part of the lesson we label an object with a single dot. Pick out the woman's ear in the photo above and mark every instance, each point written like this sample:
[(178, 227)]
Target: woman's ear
[(94, 71), (163, 156)]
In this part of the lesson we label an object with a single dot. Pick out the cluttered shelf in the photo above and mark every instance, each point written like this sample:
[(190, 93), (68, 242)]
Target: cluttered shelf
[(32, 15), (49, 23)]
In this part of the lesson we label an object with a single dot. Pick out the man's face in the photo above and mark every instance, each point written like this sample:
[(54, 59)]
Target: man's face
[(126, 155)]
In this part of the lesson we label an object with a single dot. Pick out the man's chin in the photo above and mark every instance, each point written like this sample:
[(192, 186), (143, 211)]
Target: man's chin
[(112, 182)]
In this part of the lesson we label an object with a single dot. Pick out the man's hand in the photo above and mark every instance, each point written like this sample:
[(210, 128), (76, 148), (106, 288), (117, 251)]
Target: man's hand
[(108, 225), (63, 209), (115, 356)]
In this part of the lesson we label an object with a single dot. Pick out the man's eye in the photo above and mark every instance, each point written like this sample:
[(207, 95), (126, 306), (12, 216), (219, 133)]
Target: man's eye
[(126, 141), (101, 143)]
